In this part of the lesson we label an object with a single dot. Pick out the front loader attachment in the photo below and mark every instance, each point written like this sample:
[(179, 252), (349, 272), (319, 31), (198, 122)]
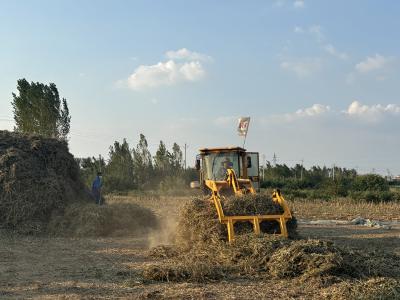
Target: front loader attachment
[(240, 187)]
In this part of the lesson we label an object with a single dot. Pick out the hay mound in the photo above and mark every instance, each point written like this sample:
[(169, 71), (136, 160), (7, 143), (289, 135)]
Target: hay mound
[(311, 258), (198, 223), (90, 220), (37, 176), (250, 204), (266, 257)]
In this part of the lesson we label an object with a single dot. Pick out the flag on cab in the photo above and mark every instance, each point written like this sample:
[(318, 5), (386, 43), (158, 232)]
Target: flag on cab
[(243, 126)]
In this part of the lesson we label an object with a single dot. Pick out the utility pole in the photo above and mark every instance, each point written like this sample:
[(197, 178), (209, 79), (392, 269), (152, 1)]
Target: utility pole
[(263, 166), (185, 154), (274, 159), (301, 171), (333, 172), (389, 175)]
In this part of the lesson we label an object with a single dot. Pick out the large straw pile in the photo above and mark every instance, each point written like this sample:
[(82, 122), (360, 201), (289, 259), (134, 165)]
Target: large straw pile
[(202, 254), (37, 176)]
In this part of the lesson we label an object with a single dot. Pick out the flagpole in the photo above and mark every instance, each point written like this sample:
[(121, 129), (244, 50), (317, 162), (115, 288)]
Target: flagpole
[(243, 128)]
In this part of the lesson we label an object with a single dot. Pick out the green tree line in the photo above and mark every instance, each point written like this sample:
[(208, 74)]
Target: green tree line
[(135, 168), (326, 183)]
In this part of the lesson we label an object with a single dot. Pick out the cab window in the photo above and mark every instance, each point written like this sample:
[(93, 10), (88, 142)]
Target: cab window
[(215, 165)]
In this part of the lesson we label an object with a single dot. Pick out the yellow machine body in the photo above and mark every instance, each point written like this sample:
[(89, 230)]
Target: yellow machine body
[(238, 179)]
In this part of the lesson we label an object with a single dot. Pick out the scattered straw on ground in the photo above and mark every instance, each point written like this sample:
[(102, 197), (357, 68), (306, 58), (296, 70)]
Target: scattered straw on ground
[(200, 254), (344, 209), (113, 219), (372, 289)]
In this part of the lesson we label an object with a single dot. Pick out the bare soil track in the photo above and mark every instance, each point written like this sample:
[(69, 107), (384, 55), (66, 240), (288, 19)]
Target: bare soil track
[(110, 268), (39, 267)]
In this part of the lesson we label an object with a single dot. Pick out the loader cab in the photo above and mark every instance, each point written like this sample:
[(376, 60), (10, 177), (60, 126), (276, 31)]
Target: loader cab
[(213, 163)]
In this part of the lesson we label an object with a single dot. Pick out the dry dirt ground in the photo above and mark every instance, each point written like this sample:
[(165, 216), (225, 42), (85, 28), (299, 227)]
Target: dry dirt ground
[(96, 268)]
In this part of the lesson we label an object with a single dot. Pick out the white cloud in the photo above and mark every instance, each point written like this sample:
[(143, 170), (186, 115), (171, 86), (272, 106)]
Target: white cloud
[(192, 71), (313, 111), (186, 54), (302, 68), (315, 30), (355, 111), (372, 63), (298, 29), (298, 4), (372, 112), (377, 65), (164, 73), (332, 51), (183, 66)]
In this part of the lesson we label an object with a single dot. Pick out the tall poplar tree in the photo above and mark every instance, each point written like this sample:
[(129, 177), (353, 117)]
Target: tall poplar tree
[(39, 109)]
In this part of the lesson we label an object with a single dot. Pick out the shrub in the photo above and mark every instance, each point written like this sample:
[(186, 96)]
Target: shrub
[(370, 182), (338, 187), (374, 196)]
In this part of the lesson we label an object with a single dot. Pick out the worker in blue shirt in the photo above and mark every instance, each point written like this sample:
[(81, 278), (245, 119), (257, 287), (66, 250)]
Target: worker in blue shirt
[(96, 188)]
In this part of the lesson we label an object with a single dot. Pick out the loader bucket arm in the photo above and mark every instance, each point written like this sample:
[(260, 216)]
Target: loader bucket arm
[(240, 187)]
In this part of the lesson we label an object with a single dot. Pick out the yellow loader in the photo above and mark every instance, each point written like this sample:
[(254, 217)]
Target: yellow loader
[(233, 171)]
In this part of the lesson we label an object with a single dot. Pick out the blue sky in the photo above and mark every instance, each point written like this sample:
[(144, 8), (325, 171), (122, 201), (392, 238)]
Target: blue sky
[(319, 79)]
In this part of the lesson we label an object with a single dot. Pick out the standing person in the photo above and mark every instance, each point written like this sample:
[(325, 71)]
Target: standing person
[(96, 188)]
